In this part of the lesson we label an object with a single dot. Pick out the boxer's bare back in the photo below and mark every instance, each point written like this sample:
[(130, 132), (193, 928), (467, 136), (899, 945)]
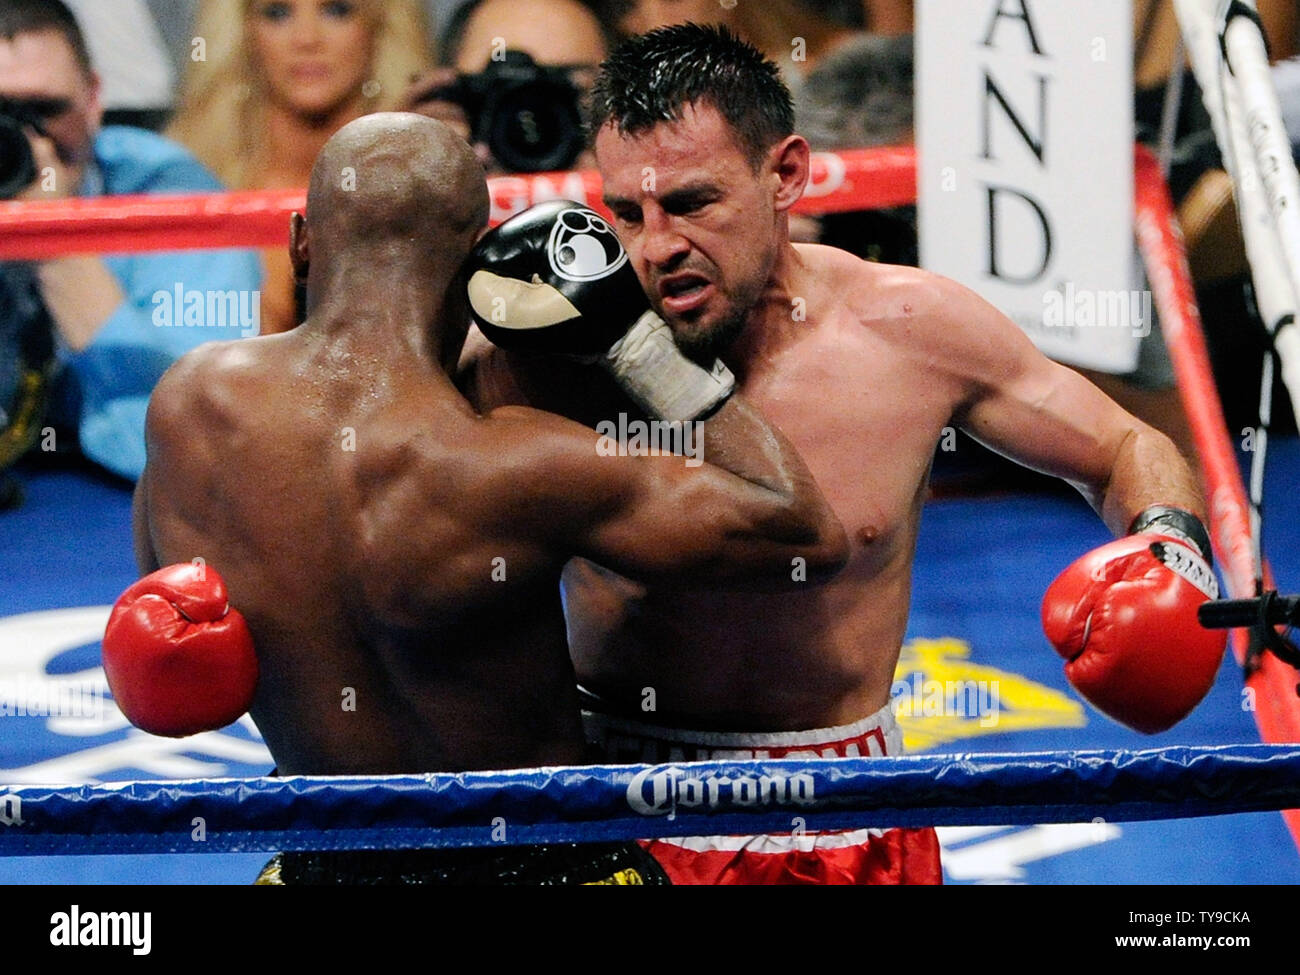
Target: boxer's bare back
[(396, 554)]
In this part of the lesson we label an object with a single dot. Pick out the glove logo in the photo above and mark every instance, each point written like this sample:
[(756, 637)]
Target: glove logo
[(1189, 565), (583, 247)]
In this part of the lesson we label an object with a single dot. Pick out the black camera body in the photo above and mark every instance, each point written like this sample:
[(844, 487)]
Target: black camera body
[(525, 113), (17, 166)]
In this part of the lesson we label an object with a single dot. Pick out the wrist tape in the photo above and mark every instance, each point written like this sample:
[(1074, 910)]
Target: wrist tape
[(650, 368), (1176, 523)]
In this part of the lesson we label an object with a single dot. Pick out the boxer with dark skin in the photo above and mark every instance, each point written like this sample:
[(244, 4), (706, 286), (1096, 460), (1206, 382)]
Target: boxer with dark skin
[(414, 562), (862, 365)]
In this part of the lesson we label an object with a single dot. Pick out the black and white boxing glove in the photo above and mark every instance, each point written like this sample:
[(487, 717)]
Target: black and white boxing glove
[(556, 279)]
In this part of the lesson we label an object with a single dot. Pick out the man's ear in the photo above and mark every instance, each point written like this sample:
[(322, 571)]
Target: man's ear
[(790, 164), (299, 250)]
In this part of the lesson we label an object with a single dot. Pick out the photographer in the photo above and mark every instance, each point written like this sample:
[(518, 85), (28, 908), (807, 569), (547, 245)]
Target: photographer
[(513, 74), (100, 315)]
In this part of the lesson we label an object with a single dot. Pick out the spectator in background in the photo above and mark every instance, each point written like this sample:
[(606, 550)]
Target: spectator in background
[(860, 96), (112, 334), (554, 31), (572, 35), (131, 59), (282, 76)]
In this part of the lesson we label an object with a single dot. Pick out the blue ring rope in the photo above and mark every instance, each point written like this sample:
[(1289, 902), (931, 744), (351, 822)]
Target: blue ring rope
[(600, 803)]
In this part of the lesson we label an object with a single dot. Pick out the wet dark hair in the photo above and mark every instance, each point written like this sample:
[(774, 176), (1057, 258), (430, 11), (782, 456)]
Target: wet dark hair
[(30, 16), (652, 78)]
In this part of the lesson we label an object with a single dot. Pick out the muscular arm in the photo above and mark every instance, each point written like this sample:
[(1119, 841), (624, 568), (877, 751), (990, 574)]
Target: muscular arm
[(737, 440), (657, 519), (145, 558), (1047, 417), (168, 428)]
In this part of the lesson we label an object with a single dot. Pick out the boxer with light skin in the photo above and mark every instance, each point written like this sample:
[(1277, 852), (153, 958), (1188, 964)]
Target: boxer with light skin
[(416, 571), (862, 365)]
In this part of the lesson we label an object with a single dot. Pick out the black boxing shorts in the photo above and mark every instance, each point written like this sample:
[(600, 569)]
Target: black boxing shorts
[(621, 864)]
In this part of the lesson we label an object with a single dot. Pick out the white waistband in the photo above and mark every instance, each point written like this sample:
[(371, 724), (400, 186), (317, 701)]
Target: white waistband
[(598, 725)]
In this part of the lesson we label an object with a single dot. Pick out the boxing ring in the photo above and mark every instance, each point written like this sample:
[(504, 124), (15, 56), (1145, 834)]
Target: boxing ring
[(605, 803), (176, 811)]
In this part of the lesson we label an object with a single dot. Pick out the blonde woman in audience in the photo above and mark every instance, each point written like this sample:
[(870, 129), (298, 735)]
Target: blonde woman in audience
[(269, 81)]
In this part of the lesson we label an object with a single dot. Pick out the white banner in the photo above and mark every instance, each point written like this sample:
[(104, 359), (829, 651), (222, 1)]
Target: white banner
[(1025, 179)]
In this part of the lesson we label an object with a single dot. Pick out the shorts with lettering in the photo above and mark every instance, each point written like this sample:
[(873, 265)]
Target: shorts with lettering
[(859, 856)]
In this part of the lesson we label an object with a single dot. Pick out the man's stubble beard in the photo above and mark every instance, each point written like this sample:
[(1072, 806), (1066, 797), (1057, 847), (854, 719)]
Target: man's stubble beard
[(709, 345), (706, 347)]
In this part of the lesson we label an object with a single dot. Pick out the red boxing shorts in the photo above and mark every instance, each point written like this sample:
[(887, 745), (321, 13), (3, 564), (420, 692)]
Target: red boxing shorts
[(859, 856)]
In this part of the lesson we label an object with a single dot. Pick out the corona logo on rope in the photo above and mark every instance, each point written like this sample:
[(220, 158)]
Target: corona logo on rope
[(940, 696), (660, 790)]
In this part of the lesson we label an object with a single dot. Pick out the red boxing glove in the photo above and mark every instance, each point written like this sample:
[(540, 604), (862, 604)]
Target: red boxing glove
[(178, 659), (1124, 616)]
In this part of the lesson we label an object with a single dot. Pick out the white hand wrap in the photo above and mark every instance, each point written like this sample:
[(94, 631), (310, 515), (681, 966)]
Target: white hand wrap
[(650, 368)]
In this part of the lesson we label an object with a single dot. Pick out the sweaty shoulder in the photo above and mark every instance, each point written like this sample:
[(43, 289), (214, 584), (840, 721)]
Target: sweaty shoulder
[(873, 292), (204, 389), (943, 326)]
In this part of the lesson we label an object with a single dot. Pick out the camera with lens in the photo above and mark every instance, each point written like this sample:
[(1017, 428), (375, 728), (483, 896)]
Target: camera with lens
[(17, 166), (526, 114)]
